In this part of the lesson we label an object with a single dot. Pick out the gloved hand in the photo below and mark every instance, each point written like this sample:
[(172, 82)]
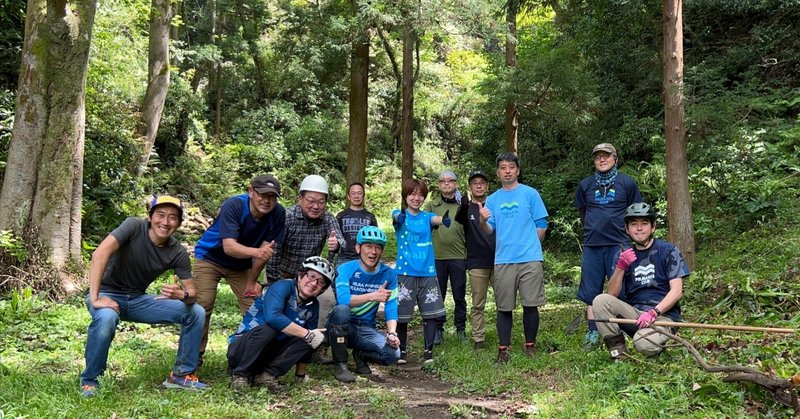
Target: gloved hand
[(401, 218), (626, 258), (646, 319), (315, 337), (446, 219)]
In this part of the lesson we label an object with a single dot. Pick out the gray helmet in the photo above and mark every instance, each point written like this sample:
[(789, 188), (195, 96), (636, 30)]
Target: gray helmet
[(640, 210), (323, 266)]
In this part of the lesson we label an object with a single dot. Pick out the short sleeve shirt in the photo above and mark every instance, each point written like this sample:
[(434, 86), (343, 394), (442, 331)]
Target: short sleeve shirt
[(351, 221), (415, 245), (646, 280), (604, 221), (514, 214), (352, 280)]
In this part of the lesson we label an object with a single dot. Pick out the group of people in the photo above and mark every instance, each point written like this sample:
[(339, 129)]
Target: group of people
[(309, 302)]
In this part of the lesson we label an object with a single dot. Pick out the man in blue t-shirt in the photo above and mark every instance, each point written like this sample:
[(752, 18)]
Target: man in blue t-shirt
[(280, 328), (517, 214), (244, 236), (651, 273), (601, 200), (361, 285)]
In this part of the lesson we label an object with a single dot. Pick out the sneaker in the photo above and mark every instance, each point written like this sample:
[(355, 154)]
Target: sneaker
[(268, 380), (439, 338), (239, 382), (89, 390), (477, 346), (503, 355), (428, 357), (529, 349), (461, 335), (185, 382), (591, 340), (403, 358)]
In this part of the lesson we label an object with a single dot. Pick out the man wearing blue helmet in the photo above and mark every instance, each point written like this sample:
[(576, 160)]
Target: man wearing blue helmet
[(361, 285)]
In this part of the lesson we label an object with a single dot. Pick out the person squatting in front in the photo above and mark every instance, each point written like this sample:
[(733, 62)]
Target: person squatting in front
[(280, 328), (361, 285), (651, 273), (125, 263), (416, 270)]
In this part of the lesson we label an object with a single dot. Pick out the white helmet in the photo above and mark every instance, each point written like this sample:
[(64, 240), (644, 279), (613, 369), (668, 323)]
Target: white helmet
[(323, 266), (314, 183)]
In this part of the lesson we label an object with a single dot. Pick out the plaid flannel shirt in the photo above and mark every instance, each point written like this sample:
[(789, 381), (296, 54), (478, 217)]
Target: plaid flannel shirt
[(304, 237)]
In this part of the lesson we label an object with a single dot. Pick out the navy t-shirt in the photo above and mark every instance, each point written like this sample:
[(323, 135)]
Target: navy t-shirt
[(646, 281), (604, 222), (351, 221), (235, 222)]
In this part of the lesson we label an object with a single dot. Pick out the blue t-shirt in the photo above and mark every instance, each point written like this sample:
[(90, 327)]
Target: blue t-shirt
[(646, 281), (353, 280), (415, 245), (234, 221), (278, 307), (604, 219), (514, 217)]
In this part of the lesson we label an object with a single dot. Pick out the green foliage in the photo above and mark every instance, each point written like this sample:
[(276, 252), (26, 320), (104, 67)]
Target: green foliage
[(12, 30), (6, 126), (12, 245), (20, 306)]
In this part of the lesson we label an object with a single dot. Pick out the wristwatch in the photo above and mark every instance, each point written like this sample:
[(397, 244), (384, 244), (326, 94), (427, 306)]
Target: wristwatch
[(391, 334)]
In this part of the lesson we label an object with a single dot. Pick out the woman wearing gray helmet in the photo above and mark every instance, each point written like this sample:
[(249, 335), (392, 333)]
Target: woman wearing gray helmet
[(652, 274), (280, 328)]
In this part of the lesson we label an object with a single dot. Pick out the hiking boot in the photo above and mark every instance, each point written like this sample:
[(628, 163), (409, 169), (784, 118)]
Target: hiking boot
[(185, 382), (428, 357), (341, 373), (362, 368), (529, 349), (89, 389), (616, 347), (439, 338), (268, 380), (461, 335), (591, 340), (477, 346), (503, 355), (403, 358), (239, 382)]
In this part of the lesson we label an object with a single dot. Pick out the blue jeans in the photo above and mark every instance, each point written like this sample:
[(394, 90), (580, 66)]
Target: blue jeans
[(363, 337), (142, 309)]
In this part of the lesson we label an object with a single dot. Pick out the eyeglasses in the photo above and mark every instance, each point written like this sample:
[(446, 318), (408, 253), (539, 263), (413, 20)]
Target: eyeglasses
[(447, 181), (316, 280), (320, 203), (602, 156), (478, 182)]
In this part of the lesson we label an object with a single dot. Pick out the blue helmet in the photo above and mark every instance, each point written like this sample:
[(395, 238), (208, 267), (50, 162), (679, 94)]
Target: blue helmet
[(371, 234)]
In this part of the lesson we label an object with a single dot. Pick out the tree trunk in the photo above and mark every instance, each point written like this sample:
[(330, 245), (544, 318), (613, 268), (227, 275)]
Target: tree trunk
[(679, 200), (511, 115), (409, 41), (41, 195), (157, 79), (359, 87)]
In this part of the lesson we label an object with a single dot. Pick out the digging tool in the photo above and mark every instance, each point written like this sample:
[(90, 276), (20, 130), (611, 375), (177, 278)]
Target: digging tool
[(703, 326)]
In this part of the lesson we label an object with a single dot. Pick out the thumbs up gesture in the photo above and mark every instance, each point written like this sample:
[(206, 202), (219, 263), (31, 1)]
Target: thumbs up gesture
[(266, 250), (382, 294), (485, 213), (333, 242)]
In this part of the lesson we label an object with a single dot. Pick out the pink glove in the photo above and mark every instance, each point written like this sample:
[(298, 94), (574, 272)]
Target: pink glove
[(626, 258), (646, 319)]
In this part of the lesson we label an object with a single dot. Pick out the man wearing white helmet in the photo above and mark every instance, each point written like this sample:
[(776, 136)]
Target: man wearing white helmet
[(309, 227), (280, 328)]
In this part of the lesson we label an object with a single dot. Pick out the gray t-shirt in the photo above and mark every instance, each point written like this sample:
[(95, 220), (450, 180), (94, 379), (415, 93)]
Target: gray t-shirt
[(138, 261)]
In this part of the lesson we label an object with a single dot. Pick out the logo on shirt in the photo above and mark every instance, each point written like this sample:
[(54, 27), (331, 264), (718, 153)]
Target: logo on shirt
[(602, 199), (644, 274)]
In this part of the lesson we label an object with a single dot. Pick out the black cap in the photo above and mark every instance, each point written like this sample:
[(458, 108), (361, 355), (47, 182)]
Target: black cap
[(477, 173), (266, 184)]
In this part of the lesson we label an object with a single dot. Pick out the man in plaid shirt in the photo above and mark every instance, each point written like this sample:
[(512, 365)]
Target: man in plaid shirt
[(309, 227)]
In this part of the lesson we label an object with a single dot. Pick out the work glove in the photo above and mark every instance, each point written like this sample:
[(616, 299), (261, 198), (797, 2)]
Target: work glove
[(446, 219), (626, 258), (646, 319), (315, 337), (401, 218)]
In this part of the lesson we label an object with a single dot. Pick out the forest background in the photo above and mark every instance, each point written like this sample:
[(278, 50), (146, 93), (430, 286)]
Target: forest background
[(262, 86)]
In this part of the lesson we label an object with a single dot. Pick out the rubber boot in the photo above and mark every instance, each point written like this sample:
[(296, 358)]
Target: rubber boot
[(362, 368), (339, 352), (616, 346)]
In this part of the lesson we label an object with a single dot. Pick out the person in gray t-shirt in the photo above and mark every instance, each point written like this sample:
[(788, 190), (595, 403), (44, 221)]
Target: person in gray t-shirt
[(123, 266)]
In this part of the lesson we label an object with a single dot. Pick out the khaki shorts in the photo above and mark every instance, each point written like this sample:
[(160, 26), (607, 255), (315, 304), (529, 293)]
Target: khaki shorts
[(527, 277)]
